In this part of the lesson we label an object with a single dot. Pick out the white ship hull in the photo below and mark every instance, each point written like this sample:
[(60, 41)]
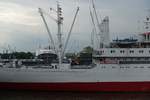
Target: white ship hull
[(119, 77)]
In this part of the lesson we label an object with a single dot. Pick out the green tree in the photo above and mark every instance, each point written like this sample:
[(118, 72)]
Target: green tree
[(70, 55), (87, 49)]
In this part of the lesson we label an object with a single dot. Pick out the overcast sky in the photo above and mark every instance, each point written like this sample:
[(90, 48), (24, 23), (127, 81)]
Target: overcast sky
[(22, 28)]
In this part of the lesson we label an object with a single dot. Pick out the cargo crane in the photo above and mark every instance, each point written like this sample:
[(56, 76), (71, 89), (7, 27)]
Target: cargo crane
[(69, 34), (48, 30), (60, 49), (103, 28)]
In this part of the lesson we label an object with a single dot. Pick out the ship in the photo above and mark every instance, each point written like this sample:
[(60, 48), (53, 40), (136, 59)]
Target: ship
[(120, 65)]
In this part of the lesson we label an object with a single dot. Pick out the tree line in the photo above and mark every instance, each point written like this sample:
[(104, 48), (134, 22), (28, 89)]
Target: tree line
[(17, 55), (28, 55)]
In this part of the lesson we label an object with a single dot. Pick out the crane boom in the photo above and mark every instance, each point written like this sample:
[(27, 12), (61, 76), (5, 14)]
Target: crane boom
[(98, 24), (48, 30), (94, 27), (69, 34)]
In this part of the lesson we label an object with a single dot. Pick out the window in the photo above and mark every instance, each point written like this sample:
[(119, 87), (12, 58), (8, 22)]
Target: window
[(112, 51), (141, 51), (101, 52), (121, 51), (101, 59), (131, 51)]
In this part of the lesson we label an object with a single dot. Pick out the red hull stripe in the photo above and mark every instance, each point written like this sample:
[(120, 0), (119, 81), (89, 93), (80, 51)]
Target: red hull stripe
[(98, 86)]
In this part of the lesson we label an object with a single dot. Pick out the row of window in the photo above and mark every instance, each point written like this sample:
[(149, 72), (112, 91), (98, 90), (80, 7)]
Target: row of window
[(122, 51), (126, 59), (126, 67)]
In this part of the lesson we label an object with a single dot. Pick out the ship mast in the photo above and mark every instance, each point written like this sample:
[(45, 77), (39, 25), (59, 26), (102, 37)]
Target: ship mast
[(59, 34), (59, 21), (147, 27), (147, 22)]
